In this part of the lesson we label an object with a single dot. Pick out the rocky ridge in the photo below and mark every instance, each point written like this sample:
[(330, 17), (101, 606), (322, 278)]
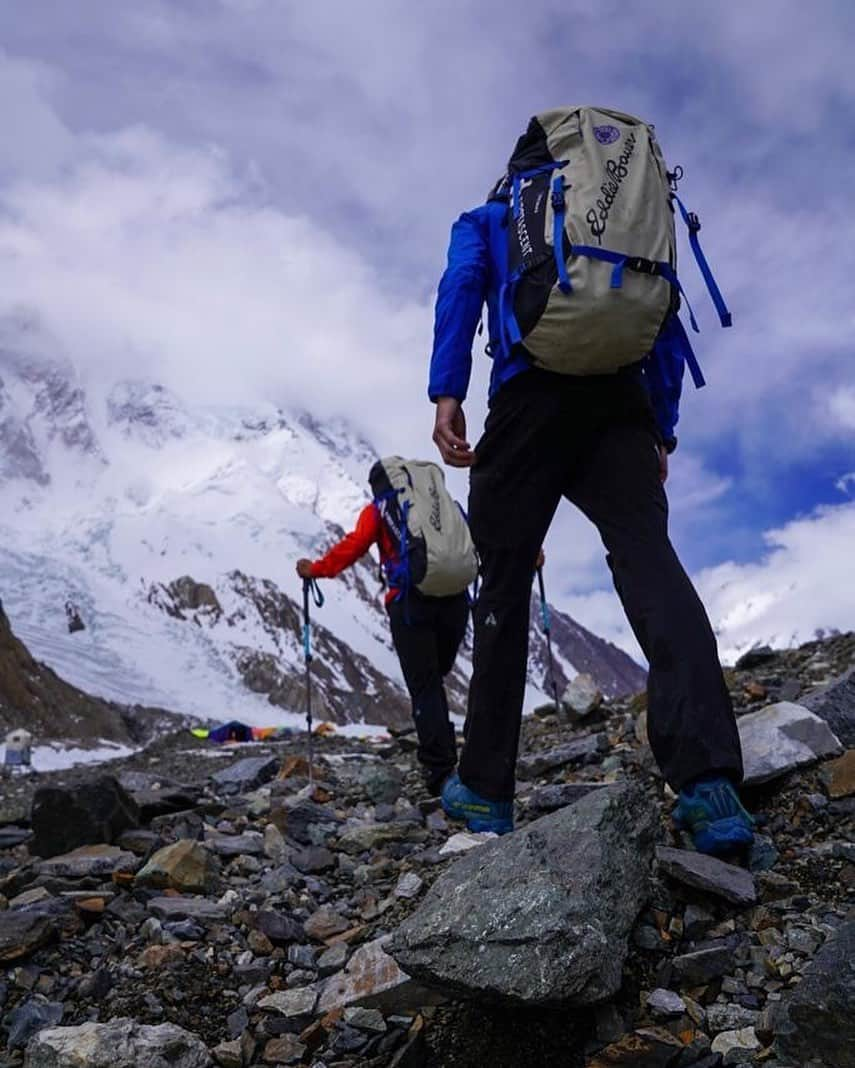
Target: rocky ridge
[(239, 915)]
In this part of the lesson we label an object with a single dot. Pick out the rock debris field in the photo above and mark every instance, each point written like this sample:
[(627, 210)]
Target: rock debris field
[(192, 906)]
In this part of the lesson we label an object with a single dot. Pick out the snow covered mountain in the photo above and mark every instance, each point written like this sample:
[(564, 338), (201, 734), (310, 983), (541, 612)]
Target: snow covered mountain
[(174, 530)]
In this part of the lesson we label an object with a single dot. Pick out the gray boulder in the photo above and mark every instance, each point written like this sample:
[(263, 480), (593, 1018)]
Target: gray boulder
[(818, 1021), (835, 703), (120, 1043), (781, 738), (64, 818), (543, 915)]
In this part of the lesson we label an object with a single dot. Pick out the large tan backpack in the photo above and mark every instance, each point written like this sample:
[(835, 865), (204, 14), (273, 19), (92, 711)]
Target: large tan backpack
[(592, 251), (436, 553)]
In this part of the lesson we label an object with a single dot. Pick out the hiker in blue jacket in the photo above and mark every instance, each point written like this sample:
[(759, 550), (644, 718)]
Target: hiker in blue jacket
[(601, 441)]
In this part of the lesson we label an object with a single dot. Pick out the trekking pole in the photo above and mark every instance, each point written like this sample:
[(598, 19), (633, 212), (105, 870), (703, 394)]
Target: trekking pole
[(547, 629), (311, 590)]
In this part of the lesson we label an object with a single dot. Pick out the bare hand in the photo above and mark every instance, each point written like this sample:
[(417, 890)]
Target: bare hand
[(449, 433), (304, 568), (663, 463), (541, 560)]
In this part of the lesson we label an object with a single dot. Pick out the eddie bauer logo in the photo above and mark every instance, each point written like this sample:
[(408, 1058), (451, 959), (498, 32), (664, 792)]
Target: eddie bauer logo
[(616, 171), (434, 518)]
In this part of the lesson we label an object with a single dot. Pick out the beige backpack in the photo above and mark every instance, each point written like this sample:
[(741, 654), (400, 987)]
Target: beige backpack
[(436, 554)]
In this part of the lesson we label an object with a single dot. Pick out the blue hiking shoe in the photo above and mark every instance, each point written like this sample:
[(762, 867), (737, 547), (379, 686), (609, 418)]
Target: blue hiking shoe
[(461, 803), (710, 810)]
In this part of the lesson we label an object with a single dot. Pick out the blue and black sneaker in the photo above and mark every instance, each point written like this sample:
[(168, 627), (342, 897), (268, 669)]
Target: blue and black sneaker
[(710, 810), (461, 803)]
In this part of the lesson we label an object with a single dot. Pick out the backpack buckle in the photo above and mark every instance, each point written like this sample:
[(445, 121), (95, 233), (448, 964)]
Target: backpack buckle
[(694, 222), (559, 202)]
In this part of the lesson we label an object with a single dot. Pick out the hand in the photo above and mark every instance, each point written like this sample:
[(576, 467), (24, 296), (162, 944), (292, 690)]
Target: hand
[(449, 433), (541, 560), (663, 463), (304, 568)]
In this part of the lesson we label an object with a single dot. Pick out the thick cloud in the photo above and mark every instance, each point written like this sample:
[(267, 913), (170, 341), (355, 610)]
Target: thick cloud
[(244, 198)]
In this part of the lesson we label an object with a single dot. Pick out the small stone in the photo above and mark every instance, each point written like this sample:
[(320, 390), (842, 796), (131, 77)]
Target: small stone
[(371, 835), (287, 1049), (157, 957), (703, 965), (259, 943), (89, 861), (708, 873), (280, 928), (250, 844), (274, 843), (373, 979), (229, 1054), (23, 932), (764, 855), (314, 859), (246, 774), (665, 1003), (365, 1019), (409, 885), (696, 921), (463, 841), (182, 907), (30, 897), (755, 657), (730, 1018), (332, 959), (650, 1047), (559, 795), (382, 782), (30, 1017), (185, 866), (291, 1004), (578, 751), (839, 776), (742, 1041), (581, 696), (324, 924)]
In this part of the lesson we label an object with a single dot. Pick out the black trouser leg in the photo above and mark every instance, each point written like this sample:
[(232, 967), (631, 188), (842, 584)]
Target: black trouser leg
[(427, 633), (515, 487), (591, 440), (691, 723)]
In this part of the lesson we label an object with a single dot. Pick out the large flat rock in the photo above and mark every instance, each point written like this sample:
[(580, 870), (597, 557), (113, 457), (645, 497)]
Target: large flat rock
[(542, 915), (782, 737)]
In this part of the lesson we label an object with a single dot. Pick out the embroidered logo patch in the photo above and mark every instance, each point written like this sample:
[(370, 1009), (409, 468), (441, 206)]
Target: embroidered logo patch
[(606, 135)]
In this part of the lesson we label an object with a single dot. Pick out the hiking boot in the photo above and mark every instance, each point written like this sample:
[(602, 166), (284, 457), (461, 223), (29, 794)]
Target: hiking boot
[(710, 810), (461, 803), (435, 780)]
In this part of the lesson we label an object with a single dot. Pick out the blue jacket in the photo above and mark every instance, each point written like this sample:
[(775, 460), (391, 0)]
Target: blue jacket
[(477, 268)]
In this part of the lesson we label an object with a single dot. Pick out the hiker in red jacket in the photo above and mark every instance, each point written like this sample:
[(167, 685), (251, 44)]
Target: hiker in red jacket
[(426, 633)]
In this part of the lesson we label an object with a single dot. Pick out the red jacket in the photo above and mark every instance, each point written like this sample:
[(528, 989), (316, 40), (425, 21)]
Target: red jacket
[(370, 530)]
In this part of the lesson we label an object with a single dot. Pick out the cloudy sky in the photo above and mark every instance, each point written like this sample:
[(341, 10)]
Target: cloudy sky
[(252, 198)]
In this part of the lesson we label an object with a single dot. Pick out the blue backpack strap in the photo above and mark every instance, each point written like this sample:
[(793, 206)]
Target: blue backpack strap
[(693, 225), (658, 268), (559, 207)]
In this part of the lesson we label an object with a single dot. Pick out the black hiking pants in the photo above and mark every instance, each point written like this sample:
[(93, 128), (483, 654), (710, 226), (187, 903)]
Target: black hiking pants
[(592, 440), (426, 633)]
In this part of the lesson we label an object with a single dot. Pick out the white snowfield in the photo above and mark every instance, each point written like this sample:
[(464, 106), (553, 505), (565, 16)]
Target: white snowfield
[(104, 494)]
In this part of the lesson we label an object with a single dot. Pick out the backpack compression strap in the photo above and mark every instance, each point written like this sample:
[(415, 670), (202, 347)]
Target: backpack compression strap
[(693, 224)]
